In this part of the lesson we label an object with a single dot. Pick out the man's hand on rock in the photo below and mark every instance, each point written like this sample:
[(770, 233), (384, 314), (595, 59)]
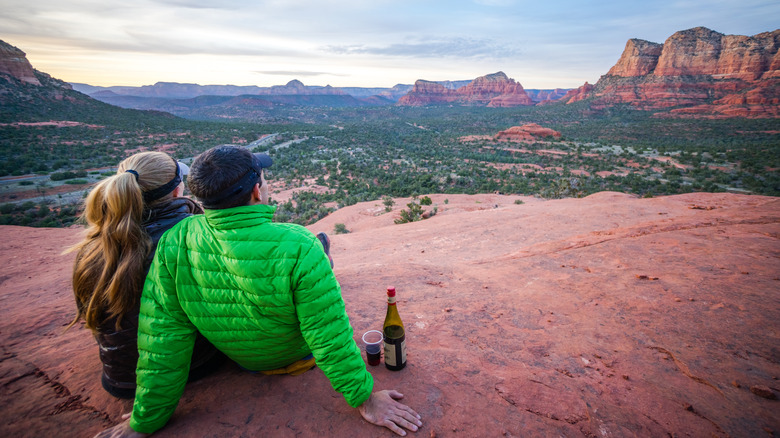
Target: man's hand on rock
[(121, 430), (383, 409)]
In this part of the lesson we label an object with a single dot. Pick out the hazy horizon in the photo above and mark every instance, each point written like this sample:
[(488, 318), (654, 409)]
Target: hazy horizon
[(348, 43)]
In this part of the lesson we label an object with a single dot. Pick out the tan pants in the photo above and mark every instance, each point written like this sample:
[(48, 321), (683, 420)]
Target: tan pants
[(294, 369)]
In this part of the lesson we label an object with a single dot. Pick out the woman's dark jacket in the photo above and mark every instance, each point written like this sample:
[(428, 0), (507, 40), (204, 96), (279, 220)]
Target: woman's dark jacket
[(118, 348)]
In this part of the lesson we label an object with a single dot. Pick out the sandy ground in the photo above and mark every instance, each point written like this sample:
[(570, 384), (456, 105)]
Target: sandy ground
[(608, 316)]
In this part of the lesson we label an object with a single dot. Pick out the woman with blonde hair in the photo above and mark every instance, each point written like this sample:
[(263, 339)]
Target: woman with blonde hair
[(126, 214)]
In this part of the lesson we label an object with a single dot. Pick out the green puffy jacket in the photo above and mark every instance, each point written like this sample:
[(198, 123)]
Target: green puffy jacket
[(261, 292)]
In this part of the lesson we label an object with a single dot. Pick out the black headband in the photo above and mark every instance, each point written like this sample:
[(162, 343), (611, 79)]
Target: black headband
[(159, 192)]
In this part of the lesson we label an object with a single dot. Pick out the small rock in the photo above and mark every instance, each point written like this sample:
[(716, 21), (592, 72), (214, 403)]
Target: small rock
[(625, 377), (763, 391), (688, 407), (677, 300), (735, 384)]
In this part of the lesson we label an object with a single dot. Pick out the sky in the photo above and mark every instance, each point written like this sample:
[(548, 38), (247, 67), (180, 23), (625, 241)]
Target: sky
[(353, 43)]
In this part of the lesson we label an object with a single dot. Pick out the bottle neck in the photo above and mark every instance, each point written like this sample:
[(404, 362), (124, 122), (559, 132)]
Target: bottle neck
[(391, 301)]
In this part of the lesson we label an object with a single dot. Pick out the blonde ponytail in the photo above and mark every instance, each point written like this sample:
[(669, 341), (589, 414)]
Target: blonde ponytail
[(108, 274)]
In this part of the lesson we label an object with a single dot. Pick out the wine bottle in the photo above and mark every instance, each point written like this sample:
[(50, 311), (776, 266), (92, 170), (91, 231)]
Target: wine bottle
[(395, 337)]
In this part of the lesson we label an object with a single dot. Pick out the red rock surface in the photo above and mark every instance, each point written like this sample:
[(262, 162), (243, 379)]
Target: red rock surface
[(526, 133), (493, 90), (639, 58), (700, 70), (578, 94), (603, 316), (13, 62)]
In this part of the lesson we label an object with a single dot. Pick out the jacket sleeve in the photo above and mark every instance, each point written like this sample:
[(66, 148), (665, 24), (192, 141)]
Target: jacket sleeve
[(325, 326), (165, 342)]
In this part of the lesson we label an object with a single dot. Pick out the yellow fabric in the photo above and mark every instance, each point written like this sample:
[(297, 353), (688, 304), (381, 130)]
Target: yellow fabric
[(294, 369)]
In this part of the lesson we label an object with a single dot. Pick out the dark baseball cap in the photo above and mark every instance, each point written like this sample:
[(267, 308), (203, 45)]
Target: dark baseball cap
[(243, 185)]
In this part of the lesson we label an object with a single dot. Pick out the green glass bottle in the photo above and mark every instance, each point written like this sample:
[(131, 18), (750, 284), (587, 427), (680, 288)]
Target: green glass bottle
[(395, 337)]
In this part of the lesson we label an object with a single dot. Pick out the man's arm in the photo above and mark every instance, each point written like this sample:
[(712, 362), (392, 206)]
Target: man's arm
[(326, 328), (165, 341)]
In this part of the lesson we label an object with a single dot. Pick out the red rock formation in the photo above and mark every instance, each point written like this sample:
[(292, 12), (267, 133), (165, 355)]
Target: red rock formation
[(14, 62), (578, 94), (705, 72), (426, 93), (639, 58), (690, 52), (526, 133), (493, 90)]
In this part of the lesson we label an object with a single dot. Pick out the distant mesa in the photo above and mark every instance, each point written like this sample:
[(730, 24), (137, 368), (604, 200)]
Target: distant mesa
[(527, 133), (174, 90), (493, 90), (544, 97), (296, 87), (696, 72)]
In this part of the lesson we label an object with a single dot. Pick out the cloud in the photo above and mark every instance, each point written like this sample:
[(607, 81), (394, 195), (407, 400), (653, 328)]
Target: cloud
[(495, 2), (203, 4), (431, 48)]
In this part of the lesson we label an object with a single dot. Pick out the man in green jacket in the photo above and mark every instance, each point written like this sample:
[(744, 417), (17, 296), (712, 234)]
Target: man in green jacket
[(261, 292)]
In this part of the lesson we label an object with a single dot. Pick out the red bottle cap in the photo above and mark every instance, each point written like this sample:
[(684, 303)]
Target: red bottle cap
[(390, 291)]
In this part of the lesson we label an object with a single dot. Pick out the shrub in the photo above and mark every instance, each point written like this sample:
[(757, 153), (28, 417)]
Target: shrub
[(388, 202), (519, 202), (61, 176), (563, 188), (425, 201), (340, 229), (413, 214)]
